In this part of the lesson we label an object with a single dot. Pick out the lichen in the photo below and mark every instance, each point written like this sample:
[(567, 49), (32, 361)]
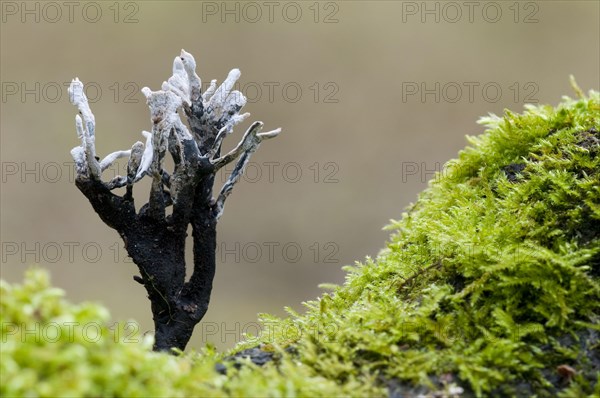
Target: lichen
[(488, 286)]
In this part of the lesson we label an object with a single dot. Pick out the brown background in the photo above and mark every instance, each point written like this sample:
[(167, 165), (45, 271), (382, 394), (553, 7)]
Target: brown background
[(364, 147)]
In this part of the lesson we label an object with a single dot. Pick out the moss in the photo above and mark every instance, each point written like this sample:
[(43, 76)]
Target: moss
[(488, 286)]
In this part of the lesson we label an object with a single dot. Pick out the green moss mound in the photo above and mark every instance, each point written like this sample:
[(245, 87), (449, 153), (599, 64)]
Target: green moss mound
[(489, 286), (491, 280)]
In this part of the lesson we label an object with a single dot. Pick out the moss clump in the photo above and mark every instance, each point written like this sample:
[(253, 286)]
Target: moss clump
[(52, 348), (491, 280), (488, 286)]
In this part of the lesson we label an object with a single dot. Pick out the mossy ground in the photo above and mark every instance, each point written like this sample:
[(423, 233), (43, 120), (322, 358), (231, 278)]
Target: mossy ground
[(489, 286)]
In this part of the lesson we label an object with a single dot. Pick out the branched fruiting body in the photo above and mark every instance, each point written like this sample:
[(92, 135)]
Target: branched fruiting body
[(156, 241)]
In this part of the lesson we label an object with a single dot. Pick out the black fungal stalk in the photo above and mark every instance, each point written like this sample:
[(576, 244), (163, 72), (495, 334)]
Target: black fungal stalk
[(154, 240)]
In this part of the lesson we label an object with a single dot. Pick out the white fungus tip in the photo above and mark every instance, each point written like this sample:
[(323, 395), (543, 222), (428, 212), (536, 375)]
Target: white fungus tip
[(235, 73), (146, 91)]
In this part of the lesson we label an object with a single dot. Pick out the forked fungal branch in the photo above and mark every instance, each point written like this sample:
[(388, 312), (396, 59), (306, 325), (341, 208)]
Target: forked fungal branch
[(154, 240)]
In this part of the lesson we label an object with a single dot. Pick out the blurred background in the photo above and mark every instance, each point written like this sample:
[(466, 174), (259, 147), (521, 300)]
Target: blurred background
[(373, 98)]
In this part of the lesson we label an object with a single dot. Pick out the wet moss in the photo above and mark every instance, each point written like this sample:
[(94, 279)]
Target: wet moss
[(488, 286)]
